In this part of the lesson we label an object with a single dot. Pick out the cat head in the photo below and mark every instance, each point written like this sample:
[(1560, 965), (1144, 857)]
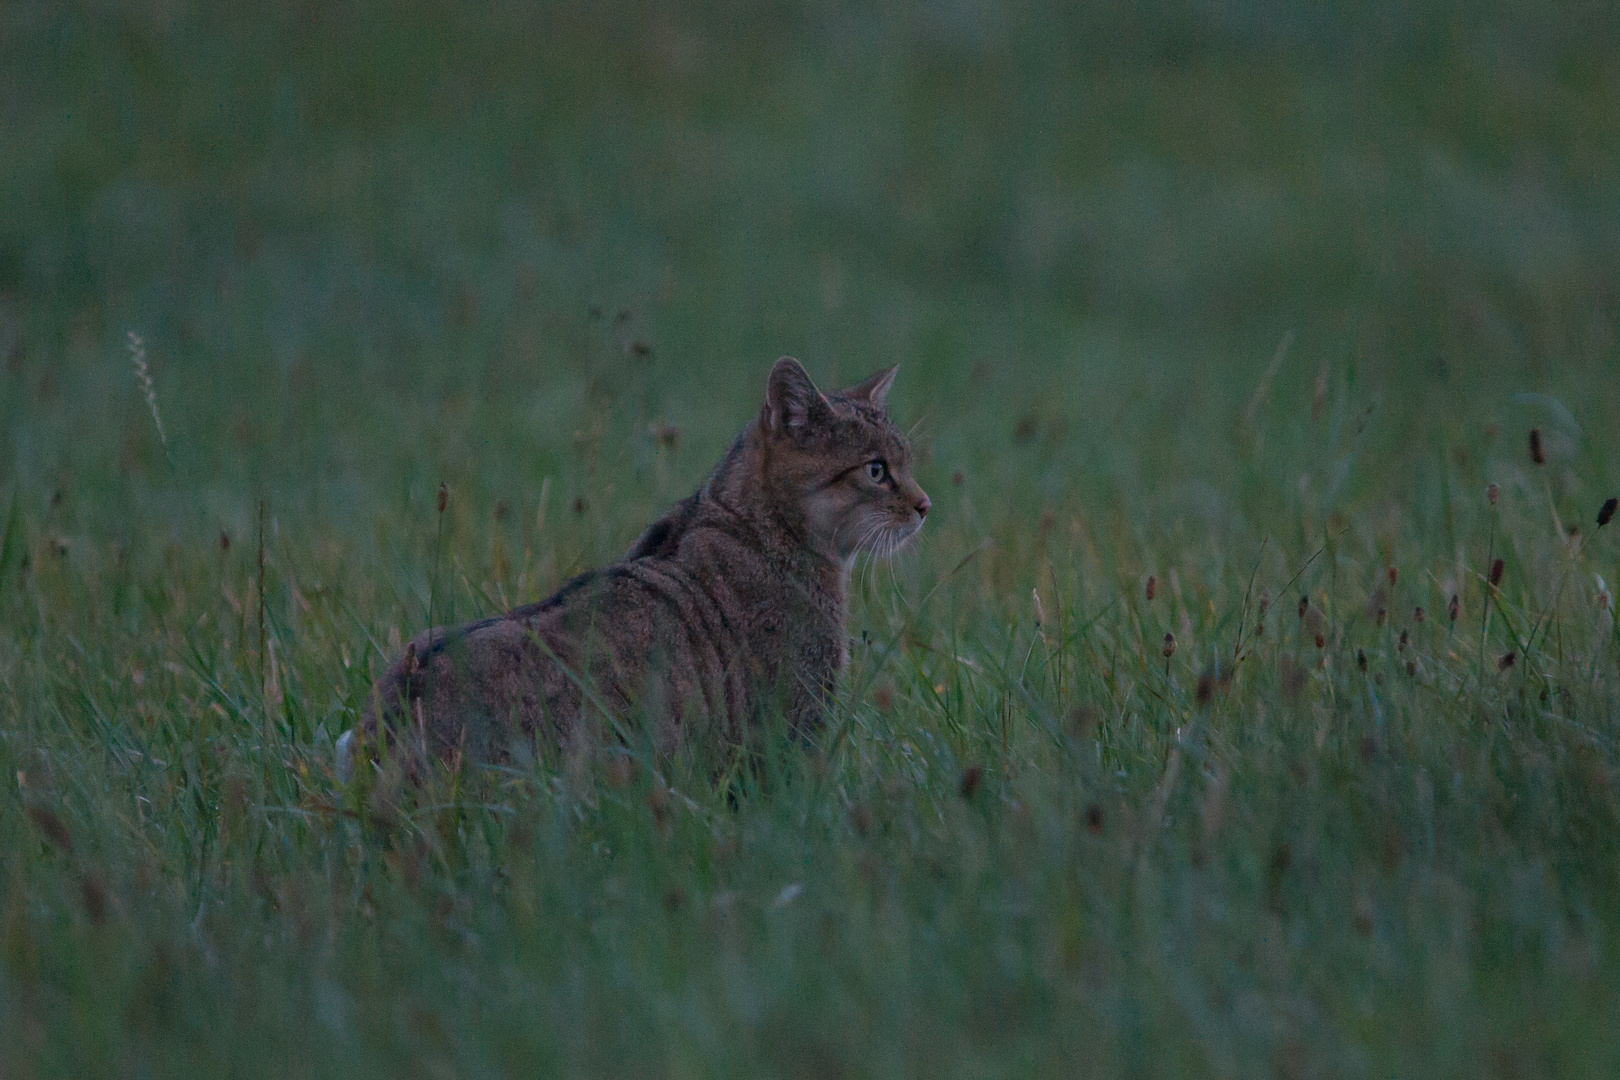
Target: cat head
[(840, 460)]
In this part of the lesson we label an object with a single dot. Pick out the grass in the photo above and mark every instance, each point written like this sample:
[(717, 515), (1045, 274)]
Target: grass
[(545, 260)]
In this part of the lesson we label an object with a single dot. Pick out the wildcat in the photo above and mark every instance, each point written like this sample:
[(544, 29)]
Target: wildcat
[(730, 605)]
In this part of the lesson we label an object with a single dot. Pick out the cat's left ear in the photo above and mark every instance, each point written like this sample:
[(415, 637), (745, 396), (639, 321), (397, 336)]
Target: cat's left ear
[(876, 388)]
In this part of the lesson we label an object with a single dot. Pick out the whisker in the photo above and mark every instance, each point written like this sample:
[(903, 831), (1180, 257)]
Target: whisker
[(864, 545)]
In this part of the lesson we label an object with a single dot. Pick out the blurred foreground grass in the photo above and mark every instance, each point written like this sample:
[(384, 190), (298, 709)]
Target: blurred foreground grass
[(1251, 302)]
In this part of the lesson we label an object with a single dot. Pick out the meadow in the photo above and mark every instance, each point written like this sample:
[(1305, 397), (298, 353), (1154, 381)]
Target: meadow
[(1223, 327)]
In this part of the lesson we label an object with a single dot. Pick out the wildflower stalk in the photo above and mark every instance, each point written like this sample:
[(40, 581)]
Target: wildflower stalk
[(433, 585), (1538, 457), (264, 687), (1490, 563), (438, 548), (143, 376), (259, 593)]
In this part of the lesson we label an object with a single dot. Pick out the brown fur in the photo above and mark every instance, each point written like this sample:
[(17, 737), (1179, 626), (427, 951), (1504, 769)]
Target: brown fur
[(729, 607)]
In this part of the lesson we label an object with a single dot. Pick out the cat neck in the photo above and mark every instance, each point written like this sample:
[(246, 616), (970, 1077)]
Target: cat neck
[(740, 486)]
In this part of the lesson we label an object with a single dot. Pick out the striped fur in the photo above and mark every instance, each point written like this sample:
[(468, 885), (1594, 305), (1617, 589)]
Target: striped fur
[(729, 607)]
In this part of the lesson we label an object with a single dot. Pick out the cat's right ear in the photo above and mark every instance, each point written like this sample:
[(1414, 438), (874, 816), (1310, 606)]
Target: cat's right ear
[(792, 401), (876, 388)]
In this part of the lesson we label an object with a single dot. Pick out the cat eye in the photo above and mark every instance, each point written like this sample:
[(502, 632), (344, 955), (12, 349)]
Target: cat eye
[(876, 471)]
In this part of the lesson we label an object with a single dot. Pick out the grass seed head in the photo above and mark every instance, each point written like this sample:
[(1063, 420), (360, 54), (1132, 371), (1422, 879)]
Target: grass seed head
[(658, 803), (1375, 603), (93, 895), (1169, 646), (143, 375), (444, 496), (51, 826), (1152, 587), (1507, 661), (1454, 607), (1094, 818), (1496, 573), (1538, 454), (1606, 514), (1291, 677), (1085, 719), (1492, 493), (1417, 614), (970, 781), (1361, 660)]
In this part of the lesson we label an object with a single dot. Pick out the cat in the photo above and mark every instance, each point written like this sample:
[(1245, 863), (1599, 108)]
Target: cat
[(731, 605)]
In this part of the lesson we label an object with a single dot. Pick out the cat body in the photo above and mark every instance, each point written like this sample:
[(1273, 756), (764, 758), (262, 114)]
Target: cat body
[(730, 606)]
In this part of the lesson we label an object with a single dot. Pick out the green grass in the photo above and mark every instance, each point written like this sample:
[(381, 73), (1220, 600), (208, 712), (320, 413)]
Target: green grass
[(372, 250)]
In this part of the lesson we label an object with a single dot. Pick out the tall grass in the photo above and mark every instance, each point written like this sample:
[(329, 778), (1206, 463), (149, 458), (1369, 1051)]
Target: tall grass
[(1184, 741)]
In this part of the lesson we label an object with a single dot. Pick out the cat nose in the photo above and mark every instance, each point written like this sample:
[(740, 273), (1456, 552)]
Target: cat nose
[(922, 506)]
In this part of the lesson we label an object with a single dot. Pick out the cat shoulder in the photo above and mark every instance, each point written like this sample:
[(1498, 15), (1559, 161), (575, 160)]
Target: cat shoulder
[(662, 538)]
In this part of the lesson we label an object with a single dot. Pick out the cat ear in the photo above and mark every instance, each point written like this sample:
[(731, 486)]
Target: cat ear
[(875, 389), (791, 399)]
